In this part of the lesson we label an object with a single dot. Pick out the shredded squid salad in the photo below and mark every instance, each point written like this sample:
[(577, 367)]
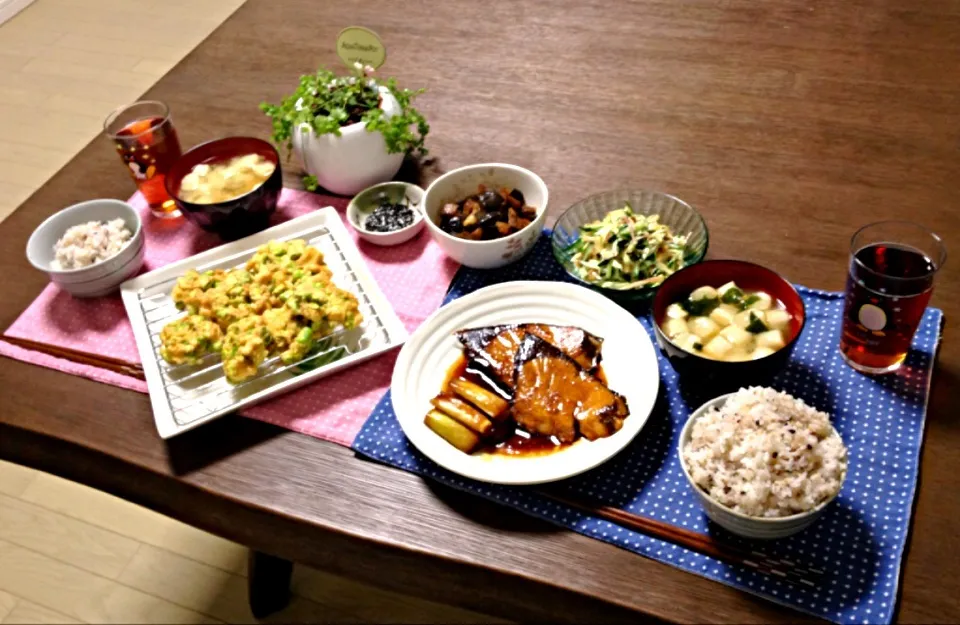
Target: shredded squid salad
[(626, 250)]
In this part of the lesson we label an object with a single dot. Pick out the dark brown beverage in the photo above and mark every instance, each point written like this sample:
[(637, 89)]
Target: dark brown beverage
[(888, 288), (149, 147), (146, 140)]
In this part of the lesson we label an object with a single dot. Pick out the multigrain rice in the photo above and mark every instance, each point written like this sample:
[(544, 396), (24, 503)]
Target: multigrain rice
[(766, 454), (90, 243)]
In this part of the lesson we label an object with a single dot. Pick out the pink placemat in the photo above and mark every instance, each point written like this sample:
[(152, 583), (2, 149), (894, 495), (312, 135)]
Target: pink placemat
[(413, 276)]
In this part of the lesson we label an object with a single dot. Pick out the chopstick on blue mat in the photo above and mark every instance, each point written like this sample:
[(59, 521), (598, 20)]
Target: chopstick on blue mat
[(695, 541)]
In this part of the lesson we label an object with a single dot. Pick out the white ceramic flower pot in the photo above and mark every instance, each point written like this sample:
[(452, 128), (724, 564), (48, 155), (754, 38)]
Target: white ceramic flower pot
[(353, 161)]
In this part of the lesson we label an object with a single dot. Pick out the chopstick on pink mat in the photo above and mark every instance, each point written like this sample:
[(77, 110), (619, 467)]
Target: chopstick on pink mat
[(116, 365)]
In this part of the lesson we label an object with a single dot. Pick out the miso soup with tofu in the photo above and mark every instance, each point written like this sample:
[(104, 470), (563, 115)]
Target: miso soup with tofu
[(728, 323)]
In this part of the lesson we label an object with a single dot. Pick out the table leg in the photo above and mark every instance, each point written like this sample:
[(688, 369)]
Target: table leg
[(268, 586)]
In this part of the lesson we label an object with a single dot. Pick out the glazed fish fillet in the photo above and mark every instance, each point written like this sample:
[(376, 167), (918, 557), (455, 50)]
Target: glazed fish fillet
[(495, 347), (554, 396)]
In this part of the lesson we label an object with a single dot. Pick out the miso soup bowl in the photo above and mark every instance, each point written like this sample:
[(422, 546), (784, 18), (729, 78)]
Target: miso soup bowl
[(242, 215), (716, 374)]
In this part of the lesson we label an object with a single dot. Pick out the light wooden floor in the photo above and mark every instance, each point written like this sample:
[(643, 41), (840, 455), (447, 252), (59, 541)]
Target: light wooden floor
[(65, 64), (69, 553)]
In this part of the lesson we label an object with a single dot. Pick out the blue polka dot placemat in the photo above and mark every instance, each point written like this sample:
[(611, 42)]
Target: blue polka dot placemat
[(859, 542)]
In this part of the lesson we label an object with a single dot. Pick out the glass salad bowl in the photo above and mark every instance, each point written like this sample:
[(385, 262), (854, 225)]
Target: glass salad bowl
[(609, 257)]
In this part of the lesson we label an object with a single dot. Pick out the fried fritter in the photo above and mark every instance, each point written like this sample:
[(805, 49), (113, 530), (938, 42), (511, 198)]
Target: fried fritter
[(187, 340), (292, 337), (188, 293), (244, 348), (280, 303), (325, 305)]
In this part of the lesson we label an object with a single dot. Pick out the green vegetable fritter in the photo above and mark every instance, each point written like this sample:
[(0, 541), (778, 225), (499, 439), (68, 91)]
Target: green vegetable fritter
[(282, 302), (187, 340)]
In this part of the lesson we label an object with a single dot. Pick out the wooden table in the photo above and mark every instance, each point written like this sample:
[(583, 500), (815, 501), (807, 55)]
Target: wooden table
[(788, 124)]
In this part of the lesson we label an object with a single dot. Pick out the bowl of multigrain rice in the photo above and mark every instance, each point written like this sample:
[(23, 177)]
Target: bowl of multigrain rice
[(90, 248), (763, 463)]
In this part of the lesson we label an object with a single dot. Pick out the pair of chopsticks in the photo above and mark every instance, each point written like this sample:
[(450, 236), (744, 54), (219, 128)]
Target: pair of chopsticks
[(116, 365), (778, 567)]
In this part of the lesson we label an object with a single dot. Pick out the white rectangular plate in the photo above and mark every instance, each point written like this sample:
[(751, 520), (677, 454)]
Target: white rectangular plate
[(186, 396)]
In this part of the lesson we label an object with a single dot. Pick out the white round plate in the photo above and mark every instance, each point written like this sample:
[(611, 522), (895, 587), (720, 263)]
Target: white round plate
[(629, 362)]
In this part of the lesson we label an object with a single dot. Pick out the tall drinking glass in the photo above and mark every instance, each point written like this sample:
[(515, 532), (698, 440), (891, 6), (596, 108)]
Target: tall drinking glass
[(892, 267), (146, 140)]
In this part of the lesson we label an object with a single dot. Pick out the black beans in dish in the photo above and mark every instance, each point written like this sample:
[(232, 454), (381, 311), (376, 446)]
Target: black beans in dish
[(488, 214)]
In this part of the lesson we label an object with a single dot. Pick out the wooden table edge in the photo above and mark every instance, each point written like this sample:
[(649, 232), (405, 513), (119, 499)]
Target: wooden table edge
[(54, 455)]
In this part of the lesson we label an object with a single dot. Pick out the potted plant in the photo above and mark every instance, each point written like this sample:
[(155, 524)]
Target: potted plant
[(349, 132)]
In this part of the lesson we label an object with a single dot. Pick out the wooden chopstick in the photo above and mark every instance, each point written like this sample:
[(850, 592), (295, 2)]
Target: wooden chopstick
[(783, 569), (116, 365)]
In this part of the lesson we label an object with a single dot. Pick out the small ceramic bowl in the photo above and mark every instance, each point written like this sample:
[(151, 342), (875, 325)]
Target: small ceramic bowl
[(736, 522), (716, 374), (364, 203), (100, 278), (680, 217), (460, 183), (242, 215)]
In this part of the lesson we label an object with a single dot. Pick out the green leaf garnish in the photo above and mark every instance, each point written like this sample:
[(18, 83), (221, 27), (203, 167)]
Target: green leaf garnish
[(310, 182), (733, 295), (700, 307), (756, 325)]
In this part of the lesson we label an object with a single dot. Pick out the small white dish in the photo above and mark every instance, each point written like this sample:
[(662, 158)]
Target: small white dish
[(367, 200), (460, 183), (103, 277), (741, 524), (629, 363)]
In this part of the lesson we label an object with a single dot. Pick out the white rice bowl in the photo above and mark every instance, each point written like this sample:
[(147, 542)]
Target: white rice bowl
[(766, 454)]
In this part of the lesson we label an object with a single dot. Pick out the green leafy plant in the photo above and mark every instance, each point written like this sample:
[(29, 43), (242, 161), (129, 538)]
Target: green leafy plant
[(326, 103)]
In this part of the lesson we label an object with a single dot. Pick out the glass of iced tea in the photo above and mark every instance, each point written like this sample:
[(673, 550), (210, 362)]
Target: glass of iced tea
[(892, 267), (146, 140)]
